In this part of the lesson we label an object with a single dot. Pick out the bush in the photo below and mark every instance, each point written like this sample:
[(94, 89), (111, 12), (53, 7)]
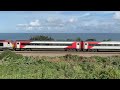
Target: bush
[(41, 38), (71, 57), (17, 66), (10, 54)]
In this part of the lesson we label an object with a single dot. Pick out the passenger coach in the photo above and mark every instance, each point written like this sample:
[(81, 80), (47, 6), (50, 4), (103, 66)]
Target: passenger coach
[(97, 46), (47, 45)]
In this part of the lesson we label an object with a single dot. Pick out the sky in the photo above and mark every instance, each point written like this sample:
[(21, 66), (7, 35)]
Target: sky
[(59, 21)]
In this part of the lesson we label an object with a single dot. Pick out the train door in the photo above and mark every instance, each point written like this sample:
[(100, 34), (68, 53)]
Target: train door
[(8, 44), (77, 45), (1, 45), (17, 44), (85, 45)]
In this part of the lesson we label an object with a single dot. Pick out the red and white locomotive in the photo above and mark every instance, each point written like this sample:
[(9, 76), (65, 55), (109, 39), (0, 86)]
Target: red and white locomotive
[(6, 44), (58, 45)]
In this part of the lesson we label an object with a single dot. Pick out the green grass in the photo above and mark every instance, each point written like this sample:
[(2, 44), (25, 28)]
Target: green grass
[(14, 66)]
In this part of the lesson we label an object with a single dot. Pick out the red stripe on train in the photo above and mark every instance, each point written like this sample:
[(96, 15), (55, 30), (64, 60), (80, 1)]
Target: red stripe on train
[(90, 47), (73, 46)]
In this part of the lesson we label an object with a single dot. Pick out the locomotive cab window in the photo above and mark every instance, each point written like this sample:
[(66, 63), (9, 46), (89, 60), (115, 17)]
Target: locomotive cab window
[(8, 42), (78, 44), (17, 43)]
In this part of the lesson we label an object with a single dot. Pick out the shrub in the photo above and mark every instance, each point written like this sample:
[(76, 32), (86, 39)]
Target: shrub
[(41, 38), (10, 54), (17, 66)]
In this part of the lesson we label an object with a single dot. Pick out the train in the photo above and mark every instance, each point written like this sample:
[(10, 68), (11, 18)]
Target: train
[(85, 46)]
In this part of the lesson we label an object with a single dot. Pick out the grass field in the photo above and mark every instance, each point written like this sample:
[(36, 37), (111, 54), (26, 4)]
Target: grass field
[(14, 66)]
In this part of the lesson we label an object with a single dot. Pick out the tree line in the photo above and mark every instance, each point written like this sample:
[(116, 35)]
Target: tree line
[(47, 38)]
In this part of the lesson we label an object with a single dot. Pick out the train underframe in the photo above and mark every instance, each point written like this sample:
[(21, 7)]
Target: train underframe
[(66, 49), (55, 49)]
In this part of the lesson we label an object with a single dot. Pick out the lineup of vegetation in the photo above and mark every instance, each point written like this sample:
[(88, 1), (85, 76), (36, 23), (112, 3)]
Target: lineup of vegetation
[(41, 38), (15, 66), (47, 38)]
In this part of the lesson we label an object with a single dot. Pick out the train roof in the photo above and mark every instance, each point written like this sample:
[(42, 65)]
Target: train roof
[(44, 41), (22, 40), (4, 40), (101, 41)]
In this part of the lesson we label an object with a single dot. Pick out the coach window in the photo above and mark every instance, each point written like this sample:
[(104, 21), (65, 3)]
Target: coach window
[(1, 44), (103, 44), (97, 45), (116, 44), (110, 45)]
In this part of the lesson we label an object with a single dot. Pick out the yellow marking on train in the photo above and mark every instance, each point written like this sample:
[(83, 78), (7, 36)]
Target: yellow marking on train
[(13, 45)]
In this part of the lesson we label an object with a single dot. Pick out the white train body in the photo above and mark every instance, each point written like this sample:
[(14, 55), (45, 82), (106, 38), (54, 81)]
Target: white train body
[(109, 45), (47, 45), (66, 45)]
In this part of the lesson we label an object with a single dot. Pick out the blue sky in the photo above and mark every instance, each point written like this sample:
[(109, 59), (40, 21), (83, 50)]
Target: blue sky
[(59, 21)]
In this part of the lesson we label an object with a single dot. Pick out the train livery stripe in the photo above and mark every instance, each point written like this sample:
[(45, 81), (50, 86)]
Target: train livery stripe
[(23, 46), (90, 47), (73, 46)]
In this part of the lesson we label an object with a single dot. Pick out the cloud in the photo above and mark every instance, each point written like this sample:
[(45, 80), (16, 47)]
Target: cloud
[(85, 22), (35, 23), (30, 26), (117, 15), (71, 20), (86, 14)]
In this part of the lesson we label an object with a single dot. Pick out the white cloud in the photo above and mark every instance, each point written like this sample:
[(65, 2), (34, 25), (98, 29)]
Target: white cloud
[(84, 15), (91, 23), (117, 15), (35, 23), (87, 22), (71, 20), (21, 25), (30, 26), (50, 19)]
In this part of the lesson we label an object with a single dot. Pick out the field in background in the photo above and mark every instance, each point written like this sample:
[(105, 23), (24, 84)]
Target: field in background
[(15, 66)]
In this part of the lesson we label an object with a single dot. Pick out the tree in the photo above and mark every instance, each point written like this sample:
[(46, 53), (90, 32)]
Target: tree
[(41, 38), (69, 40), (107, 40), (104, 40), (78, 39), (92, 39)]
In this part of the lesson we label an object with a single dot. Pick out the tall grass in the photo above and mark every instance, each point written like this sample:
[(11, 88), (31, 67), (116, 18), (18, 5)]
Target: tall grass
[(14, 66)]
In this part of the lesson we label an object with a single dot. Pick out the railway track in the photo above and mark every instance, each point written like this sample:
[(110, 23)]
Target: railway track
[(105, 52)]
